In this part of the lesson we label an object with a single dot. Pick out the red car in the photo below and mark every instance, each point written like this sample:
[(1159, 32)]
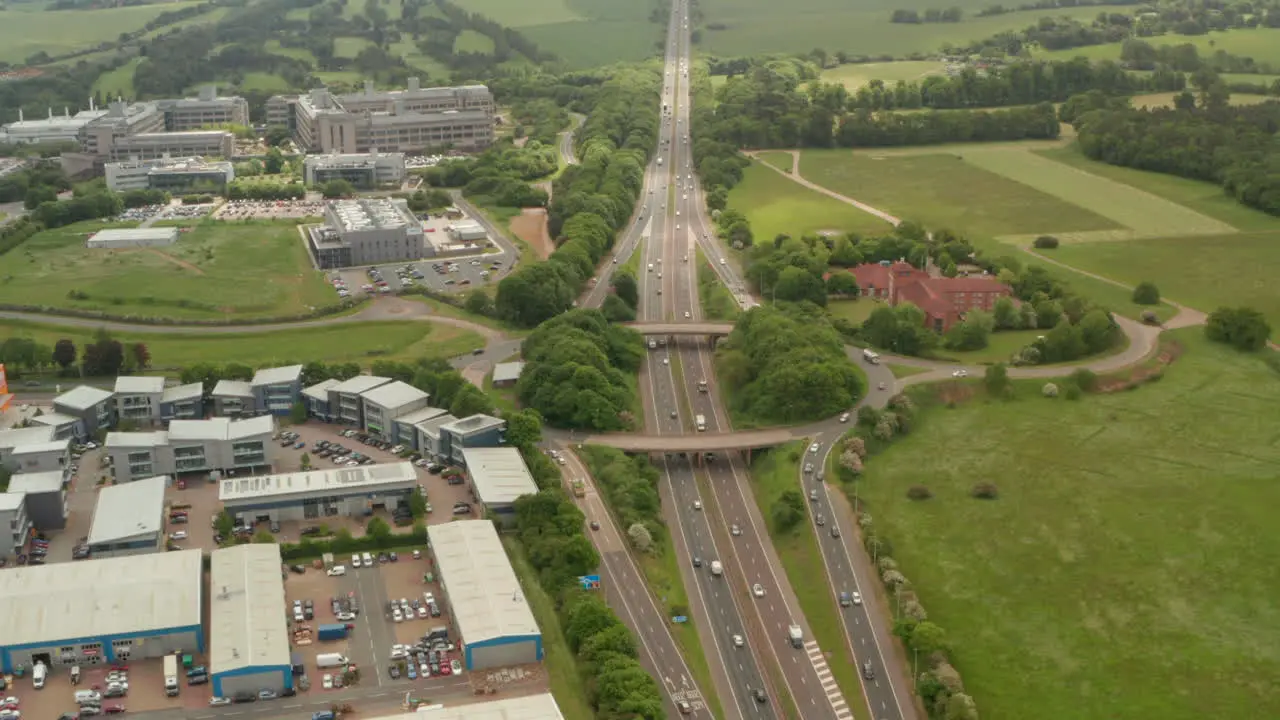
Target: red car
[(113, 709), (445, 669)]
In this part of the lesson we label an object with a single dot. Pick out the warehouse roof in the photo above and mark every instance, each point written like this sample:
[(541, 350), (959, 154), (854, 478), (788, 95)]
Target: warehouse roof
[(247, 608), (360, 384), (151, 439), (233, 388), (473, 424), (179, 393), (498, 475), (532, 707), (137, 385), (128, 510), (507, 372), (53, 419), (221, 428), (11, 500), (42, 447), (483, 592), (320, 391), (161, 234), (361, 479), (82, 397), (422, 415), (17, 437), (277, 375), (37, 482), (45, 604), (394, 394)]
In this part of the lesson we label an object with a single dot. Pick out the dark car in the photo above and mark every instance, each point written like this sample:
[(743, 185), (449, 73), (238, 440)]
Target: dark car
[(760, 696), (299, 569), (244, 697), (197, 679), (868, 672), (288, 692), (394, 672)]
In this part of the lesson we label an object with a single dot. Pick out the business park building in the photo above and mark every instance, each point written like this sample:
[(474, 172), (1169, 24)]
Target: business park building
[(367, 232), (249, 648), (317, 494)]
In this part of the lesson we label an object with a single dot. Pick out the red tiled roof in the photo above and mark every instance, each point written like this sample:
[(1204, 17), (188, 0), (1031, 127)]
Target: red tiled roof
[(969, 284), (925, 298), (871, 275)]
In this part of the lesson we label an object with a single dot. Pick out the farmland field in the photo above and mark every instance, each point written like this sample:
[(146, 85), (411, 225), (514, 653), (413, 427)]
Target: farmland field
[(756, 27), (944, 191), (214, 271), (349, 47), (1125, 572), (1165, 100), (1261, 44), (856, 76), (118, 82), (584, 33), (473, 42), (358, 342), (27, 29), (777, 205)]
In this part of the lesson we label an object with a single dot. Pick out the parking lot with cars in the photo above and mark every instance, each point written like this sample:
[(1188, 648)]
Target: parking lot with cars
[(440, 275), (269, 209)]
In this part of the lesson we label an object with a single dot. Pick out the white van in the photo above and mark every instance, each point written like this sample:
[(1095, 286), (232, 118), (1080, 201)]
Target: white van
[(716, 568), (86, 697), (650, 267), (38, 675)]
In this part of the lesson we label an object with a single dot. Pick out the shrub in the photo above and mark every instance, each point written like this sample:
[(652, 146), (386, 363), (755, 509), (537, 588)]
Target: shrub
[(1146, 293), (985, 491), (1072, 393), (640, 537), (1149, 317), (902, 403), (893, 579), (1243, 328), (856, 445), (914, 610), (886, 562), (1046, 242), (1049, 390), (919, 492), (868, 416), (883, 431), (1085, 379)]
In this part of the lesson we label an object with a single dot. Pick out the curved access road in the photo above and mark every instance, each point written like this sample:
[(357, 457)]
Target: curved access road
[(565, 148)]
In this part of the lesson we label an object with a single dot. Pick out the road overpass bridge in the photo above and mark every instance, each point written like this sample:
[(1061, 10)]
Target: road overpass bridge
[(696, 444), (681, 328)]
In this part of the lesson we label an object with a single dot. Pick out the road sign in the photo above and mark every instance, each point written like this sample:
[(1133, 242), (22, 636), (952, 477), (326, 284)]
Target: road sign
[(589, 582), (679, 619)]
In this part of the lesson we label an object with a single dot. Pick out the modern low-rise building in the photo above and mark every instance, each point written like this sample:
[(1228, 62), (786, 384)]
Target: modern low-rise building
[(177, 176), (249, 649), (467, 231), (116, 238), (317, 494), (316, 398), (498, 477), (157, 145), (485, 600), (138, 399), (363, 170), (206, 109), (432, 441), (507, 374), (405, 427), (64, 426), (64, 128), (94, 407), (34, 449), (276, 390), (215, 445), (15, 525), (473, 431), (129, 519), (182, 402), (368, 231), (385, 403), (232, 398), (529, 707), (46, 498), (99, 612), (346, 401)]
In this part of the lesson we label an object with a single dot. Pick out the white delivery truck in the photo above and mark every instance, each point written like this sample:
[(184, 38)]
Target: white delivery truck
[(796, 636), (170, 675), (716, 568), (38, 675), (701, 422), (871, 357), (330, 660)]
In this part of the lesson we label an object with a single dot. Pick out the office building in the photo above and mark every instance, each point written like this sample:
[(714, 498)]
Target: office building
[(365, 171), (182, 402), (498, 477), (367, 232), (405, 427), (249, 649), (410, 120), (15, 526), (205, 110), (316, 398), (55, 128), (100, 612), (64, 426), (385, 403), (318, 494), (157, 145), (115, 238), (46, 498), (177, 176), (944, 300), (474, 431), (129, 519), (138, 399), (94, 407), (484, 597), (205, 447), (346, 404), (34, 449), (232, 398), (275, 390)]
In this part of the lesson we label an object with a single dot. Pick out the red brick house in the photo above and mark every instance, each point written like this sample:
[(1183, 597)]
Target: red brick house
[(944, 300)]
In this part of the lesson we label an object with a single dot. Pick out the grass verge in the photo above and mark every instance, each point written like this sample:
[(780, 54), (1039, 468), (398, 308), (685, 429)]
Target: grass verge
[(716, 300), (562, 670), (773, 473), (901, 371)]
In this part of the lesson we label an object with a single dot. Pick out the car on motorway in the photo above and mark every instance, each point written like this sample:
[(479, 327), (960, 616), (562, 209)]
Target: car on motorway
[(813, 496), (697, 504), (595, 525), (808, 467), (735, 530), (759, 695), (684, 707), (856, 597), (697, 562), (738, 641), (835, 531), (960, 373), (868, 671), (821, 520), (757, 590), (665, 361)]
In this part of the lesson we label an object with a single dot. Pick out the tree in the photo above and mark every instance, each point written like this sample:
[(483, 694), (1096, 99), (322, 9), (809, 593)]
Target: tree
[(1243, 328), (524, 428), (640, 537), (616, 309), (996, 379), (263, 537), (1146, 293), (338, 189), (378, 528), (64, 353), (224, 524), (972, 334), (842, 283), (1045, 242), (298, 413), (470, 400), (479, 303), (1005, 314), (626, 288), (274, 161), (141, 355), (417, 504), (305, 461), (927, 638), (1097, 330), (788, 510)]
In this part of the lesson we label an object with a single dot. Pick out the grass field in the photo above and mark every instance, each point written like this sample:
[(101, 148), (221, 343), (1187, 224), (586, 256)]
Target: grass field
[(584, 33), (773, 473), (756, 27), (264, 82), (27, 29), (1261, 44), (1165, 100), (364, 343), (1126, 572), (779, 159), (857, 76), (349, 47), (213, 271), (1203, 272), (944, 191), (776, 205), (473, 42), (855, 311), (118, 82)]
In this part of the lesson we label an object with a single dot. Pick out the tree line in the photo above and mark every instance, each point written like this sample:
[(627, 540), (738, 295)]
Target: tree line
[(500, 175), (591, 201), (1234, 147), (578, 369)]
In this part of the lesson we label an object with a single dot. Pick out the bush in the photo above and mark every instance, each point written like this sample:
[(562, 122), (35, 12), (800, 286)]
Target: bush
[(1146, 293), (1049, 390), (919, 492), (1072, 393), (1085, 379), (985, 491), (1046, 242), (1242, 328)]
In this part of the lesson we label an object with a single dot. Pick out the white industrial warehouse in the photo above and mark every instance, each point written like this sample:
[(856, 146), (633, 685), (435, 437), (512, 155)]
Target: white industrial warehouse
[(498, 477), (131, 238), (318, 493), (129, 519), (484, 597), (249, 650), (101, 611), (533, 707)]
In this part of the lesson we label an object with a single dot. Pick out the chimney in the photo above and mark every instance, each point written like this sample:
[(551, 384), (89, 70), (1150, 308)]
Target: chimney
[(66, 112), (413, 84), (19, 114), (368, 87)]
